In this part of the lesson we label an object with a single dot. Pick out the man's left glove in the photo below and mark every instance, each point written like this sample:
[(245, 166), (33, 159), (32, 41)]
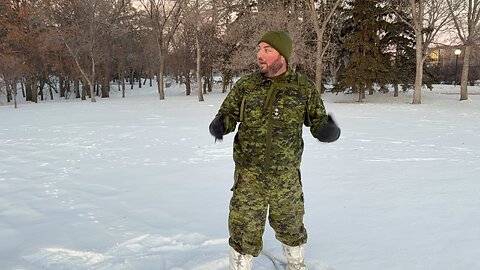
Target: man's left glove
[(217, 128), (329, 132)]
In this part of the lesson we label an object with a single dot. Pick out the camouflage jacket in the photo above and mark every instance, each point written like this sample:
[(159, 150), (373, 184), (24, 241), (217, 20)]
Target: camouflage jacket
[(271, 112)]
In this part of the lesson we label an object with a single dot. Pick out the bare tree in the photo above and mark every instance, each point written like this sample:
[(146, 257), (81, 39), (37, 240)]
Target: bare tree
[(20, 36), (10, 74), (321, 13), (429, 17), (466, 18), (164, 18), (198, 51), (181, 61), (85, 24)]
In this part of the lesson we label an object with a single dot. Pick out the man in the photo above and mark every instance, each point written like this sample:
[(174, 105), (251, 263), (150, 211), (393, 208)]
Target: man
[(271, 105)]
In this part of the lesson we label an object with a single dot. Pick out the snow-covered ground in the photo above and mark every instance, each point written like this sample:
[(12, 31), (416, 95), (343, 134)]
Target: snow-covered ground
[(139, 183)]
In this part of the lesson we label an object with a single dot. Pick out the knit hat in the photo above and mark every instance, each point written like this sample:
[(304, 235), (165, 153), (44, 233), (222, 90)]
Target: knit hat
[(280, 41)]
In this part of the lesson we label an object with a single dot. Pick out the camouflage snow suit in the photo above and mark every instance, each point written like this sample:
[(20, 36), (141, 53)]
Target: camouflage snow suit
[(267, 153)]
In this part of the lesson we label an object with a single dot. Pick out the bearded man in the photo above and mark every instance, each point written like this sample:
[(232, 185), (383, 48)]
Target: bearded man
[(272, 104)]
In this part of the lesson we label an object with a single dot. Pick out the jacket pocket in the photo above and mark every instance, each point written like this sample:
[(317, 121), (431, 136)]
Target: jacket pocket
[(293, 109), (252, 114)]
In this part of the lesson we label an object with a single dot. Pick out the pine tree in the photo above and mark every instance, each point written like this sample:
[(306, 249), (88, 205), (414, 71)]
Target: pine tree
[(399, 42), (367, 64)]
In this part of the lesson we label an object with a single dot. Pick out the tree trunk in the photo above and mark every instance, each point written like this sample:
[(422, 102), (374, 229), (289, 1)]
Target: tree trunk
[(417, 91), (22, 84), (68, 84), (199, 78), (122, 83), (76, 86), (227, 77), (188, 83), (28, 90), (465, 68), (209, 80), (395, 87), (98, 88), (139, 80), (31, 89), (334, 71), (131, 79), (61, 82), (41, 85), (161, 90), (14, 90), (395, 81), (160, 69), (84, 90), (204, 86), (318, 55), (360, 89), (319, 68), (92, 82), (106, 81), (418, 9), (9, 92), (105, 87), (50, 91)]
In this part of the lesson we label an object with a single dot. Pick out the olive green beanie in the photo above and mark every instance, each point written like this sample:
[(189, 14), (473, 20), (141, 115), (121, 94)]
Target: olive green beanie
[(280, 41)]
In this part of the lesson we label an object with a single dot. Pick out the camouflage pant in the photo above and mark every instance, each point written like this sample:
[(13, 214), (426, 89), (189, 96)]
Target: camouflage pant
[(255, 194)]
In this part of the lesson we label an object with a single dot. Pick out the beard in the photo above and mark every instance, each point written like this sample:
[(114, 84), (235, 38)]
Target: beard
[(270, 70)]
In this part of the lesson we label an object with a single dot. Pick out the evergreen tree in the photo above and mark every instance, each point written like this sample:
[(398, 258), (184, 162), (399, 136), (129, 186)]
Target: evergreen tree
[(399, 42), (366, 63)]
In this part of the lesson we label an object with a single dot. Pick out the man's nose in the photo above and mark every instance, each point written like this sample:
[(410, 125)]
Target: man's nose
[(260, 54)]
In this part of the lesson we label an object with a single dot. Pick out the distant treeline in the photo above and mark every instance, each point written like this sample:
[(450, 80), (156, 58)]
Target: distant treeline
[(78, 47)]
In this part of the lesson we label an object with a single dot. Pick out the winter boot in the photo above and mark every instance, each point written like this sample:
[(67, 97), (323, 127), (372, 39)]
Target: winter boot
[(295, 257), (239, 261)]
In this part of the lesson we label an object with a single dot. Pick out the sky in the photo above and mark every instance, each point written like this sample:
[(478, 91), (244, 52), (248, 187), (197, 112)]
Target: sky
[(139, 183)]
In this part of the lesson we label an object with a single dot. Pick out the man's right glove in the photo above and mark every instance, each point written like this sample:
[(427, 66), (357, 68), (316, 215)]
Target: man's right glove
[(217, 129), (329, 132)]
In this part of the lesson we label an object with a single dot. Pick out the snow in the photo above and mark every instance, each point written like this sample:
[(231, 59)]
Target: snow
[(138, 183)]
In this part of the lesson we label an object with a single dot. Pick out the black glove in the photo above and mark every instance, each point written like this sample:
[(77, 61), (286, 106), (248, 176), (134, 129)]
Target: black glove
[(216, 128), (329, 132)]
